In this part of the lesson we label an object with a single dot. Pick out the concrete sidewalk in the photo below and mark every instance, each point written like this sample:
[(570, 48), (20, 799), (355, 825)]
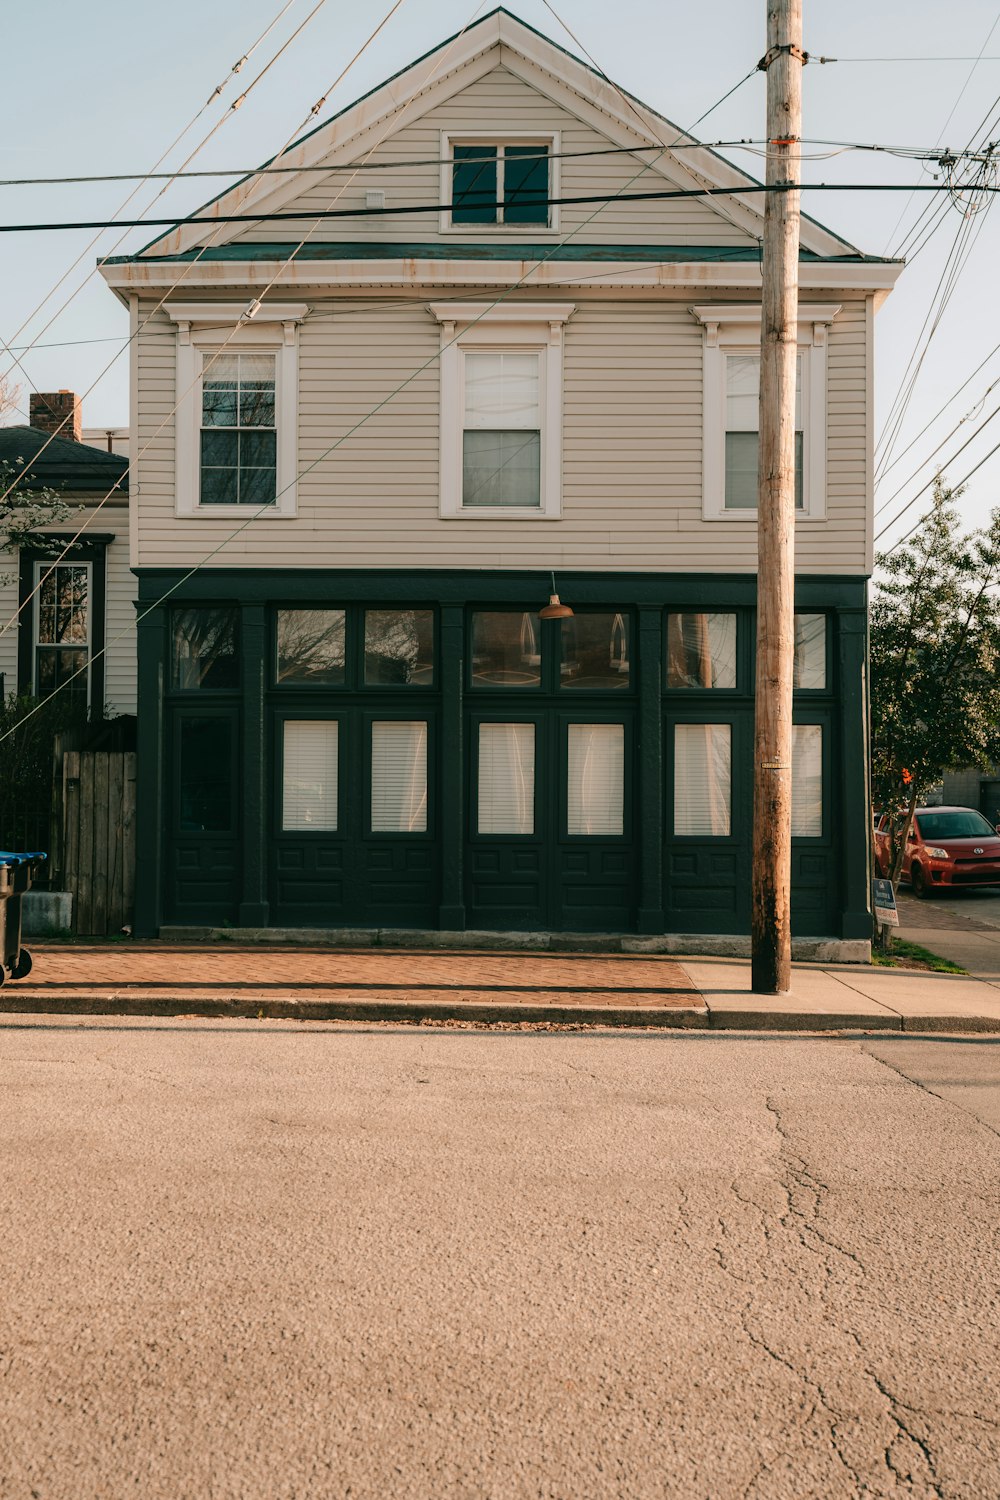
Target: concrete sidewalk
[(322, 983)]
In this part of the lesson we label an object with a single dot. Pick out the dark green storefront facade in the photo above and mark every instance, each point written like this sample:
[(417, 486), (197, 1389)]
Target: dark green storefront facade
[(446, 760)]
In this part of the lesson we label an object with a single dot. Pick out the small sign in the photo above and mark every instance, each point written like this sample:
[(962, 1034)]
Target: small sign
[(885, 903)]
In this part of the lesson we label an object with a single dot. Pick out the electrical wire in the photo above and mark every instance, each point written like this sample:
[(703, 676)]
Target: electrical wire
[(941, 411), (913, 500), (335, 445), (917, 524), (261, 216), (318, 105), (216, 92)]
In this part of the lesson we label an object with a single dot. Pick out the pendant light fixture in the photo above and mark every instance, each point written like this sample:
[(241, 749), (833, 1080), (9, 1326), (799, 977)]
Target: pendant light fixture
[(555, 610)]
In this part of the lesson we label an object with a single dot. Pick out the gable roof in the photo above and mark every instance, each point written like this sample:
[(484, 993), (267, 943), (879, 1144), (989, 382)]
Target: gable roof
[(446, 70), (65, 463)]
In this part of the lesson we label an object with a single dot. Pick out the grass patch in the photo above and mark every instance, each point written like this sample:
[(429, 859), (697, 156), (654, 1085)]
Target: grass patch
[(904, 955)]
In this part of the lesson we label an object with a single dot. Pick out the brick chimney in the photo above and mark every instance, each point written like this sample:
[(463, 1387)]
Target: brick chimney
[(49, 408)]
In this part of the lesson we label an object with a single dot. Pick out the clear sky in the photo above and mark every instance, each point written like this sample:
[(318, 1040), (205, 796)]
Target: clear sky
[(107, 86)]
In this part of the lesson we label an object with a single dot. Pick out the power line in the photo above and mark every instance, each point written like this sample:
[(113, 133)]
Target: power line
[(940, 413), (263, 217), (379, 406), (964, 480), (913, 500), (234, 70)]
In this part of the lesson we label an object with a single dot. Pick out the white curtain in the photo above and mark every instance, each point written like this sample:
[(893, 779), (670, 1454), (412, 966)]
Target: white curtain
[(506, 778), (595, 793), (807, 780), (703, 756), (309, 785), (399, 776)]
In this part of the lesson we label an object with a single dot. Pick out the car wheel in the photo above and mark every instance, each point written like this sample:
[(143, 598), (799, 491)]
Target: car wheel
[(918, 880)]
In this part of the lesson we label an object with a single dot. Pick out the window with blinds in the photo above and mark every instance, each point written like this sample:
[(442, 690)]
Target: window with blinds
[(807, 781), (399, 776), (309, 775), (595, 779), (703, 758), (506, 778)]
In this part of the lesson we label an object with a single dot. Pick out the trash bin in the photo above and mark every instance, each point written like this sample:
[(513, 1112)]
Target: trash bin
[(16, 873)]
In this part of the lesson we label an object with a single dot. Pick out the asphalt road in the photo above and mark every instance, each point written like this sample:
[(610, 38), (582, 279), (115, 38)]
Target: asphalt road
[(270, 1261)]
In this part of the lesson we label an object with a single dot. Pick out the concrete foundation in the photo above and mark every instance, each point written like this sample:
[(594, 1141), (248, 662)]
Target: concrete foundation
[(46, 914)]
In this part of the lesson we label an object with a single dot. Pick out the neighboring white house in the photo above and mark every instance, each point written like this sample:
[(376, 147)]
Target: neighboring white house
[(373, 416), (67, 623)]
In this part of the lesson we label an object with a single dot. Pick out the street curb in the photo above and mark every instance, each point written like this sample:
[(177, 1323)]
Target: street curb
[(14, 1001), (689, 1017)]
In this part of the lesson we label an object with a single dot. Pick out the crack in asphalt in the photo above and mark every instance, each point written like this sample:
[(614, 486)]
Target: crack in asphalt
[(926, 1088)]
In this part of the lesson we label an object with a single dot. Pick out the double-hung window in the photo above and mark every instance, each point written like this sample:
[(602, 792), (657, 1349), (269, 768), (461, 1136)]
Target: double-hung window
[(63, 642), (237, 408), (501, 409), (238, 437), (502, 182), (731, 400)]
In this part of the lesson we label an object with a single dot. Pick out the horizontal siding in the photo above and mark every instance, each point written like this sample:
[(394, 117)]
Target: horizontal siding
[(632, 454), (502, 102)]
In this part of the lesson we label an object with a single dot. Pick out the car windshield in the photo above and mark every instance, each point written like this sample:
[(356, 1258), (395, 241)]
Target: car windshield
[(955, 825)]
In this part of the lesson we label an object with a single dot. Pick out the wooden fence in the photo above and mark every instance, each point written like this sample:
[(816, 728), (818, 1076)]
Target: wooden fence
[(93, 835)]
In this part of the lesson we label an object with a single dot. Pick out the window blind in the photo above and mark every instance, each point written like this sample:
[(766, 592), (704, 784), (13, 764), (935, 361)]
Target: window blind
[(309, 785), (399, 776), (807, 780), (595, 792), (703, 756), (506, 778)]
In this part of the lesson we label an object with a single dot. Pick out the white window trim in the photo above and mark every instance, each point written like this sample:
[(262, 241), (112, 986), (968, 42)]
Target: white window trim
[(735, 329), (203, 328), (40, 569), (499, 137), (473, 327)]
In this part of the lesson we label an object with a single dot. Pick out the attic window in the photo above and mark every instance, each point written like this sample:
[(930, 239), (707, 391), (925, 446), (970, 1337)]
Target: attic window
[(500, 182)]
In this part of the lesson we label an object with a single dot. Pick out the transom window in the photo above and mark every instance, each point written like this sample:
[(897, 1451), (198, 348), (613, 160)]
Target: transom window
[(238, 433), (498, 182), (354, 647)]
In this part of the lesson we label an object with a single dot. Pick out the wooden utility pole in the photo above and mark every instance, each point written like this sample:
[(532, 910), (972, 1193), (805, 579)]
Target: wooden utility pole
[(772, 774)]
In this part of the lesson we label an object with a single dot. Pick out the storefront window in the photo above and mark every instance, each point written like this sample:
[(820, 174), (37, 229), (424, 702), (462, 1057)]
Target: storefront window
[(595, 777), (595, 651), (701, 651), (204, 649), (399, 647), (506, 649), (311, 647), (807, 780), (309, 775), (399, 777), (703, 760), (506, 778), (205, 776)]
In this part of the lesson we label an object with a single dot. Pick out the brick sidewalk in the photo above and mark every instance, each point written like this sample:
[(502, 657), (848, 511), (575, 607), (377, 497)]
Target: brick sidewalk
[(280, 979)]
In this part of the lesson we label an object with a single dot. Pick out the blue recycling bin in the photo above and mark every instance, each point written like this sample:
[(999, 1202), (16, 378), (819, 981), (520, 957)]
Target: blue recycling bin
[(16, 874)]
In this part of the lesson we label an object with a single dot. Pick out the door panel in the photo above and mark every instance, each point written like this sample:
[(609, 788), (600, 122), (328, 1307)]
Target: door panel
[(203, 854)]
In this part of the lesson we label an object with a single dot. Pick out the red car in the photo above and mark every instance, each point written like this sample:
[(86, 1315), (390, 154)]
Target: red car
[(948, 847)]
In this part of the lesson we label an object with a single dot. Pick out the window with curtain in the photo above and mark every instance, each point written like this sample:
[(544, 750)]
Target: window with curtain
[(506, 778), (238, 433), (502, 439), (399, 776), (703, 760), (701, 651), (809, 669), (595, 779), (742, 435), (493, 183), (310, 775), (807, 781)]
